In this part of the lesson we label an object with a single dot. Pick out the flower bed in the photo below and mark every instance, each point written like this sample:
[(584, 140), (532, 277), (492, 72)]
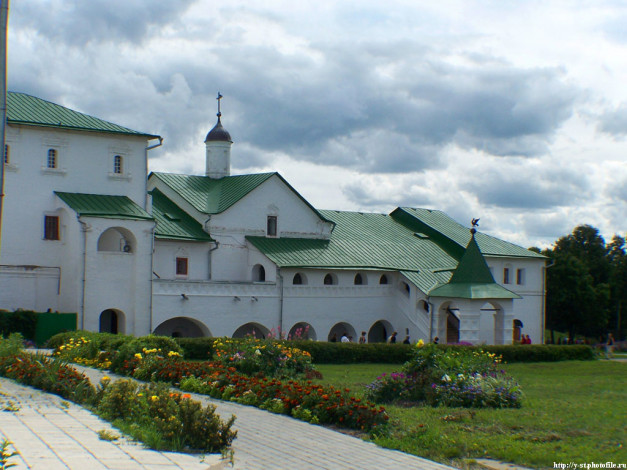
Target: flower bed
[(449, 377), (160, 418), (237, 374)]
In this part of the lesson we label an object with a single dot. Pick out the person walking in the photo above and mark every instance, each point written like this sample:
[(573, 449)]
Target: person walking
[(609, 346)]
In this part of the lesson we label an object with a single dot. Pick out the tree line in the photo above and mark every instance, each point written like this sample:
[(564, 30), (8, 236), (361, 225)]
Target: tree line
[(587, 284)]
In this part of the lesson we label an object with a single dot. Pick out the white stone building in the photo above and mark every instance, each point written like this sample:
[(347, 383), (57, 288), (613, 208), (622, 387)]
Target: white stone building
[(84, 231)]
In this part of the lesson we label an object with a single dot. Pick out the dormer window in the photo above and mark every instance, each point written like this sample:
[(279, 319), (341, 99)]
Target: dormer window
[(272, 226), (52, 160), (117, 165)]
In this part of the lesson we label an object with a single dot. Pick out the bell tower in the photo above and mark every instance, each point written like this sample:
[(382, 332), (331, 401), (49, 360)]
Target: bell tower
[(218, 149)]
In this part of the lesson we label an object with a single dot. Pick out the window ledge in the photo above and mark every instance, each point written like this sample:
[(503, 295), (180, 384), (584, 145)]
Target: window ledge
[(10, 167), (120, 176), (53, 171)]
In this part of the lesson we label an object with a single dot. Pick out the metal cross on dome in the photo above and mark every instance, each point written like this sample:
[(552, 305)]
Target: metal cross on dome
[(219, 98)]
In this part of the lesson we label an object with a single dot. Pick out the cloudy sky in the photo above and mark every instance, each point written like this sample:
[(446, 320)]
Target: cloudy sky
[(511, 111)]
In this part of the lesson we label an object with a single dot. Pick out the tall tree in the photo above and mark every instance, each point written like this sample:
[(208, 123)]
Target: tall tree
[(578, 285), (617, 256)]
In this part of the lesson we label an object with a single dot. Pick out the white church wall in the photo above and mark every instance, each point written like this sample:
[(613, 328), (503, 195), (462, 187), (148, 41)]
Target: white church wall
[(220, 306), (197, 253), (295, 219), (84, 164), (118, 280)]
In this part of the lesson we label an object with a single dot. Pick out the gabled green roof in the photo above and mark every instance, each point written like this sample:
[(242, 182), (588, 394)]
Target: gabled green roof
[(213, 196), (453, 236), (472, 279), (31, 111), (363, 241), (100, 205), (173, 223), (209, 195)]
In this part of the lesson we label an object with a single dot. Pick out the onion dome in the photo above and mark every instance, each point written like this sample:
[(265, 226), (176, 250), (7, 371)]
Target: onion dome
[(218, 134)]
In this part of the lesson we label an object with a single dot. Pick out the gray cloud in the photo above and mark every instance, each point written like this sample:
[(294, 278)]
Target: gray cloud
[(614, 122), (526, 186), (78, 22)]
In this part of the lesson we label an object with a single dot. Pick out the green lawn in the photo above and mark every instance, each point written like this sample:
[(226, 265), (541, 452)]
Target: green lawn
[(573, 411)]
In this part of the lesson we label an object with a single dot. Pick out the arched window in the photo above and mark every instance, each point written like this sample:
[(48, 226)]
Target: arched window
[(52, 162), (259, 273), (329, 280), (117, 165), (405, 288), (298, 279), (358, 280), (383, 279)]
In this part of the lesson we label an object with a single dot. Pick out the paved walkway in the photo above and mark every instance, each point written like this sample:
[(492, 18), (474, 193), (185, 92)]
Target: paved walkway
[(52, 434)]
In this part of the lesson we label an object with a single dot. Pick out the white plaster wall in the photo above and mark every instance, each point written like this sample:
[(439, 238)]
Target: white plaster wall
[(118, 280), (529, 308), (198, 254), (85, 163)]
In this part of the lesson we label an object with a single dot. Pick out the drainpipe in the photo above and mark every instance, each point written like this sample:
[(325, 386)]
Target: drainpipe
[(84, 229), (543, 309), (152, 270), (4, 32), (209, 261), (146, 164), (278, 273)]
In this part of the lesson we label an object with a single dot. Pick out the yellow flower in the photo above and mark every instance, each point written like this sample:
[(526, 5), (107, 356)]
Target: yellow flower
[(420, 343), (138, 355), (154, 398), (105, 378)]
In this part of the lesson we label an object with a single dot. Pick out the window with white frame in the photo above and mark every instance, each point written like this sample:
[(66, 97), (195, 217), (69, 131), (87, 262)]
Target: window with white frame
[(118, 168), (272, 226), (51, 227), (182, 266), (52, 161)]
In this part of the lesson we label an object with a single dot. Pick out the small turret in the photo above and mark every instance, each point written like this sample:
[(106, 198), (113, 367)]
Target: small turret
[(218, 149)]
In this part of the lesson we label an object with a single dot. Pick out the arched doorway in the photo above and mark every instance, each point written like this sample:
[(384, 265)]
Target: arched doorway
[(302, 330), (255, 330), (339, 329), (452, 327), (112, 321), (517, 331), (182, 327), (379, 331)]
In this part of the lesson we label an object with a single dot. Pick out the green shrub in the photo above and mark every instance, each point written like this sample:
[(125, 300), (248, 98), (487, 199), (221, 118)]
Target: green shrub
[(271, 358), (196, 348), (165, 419), (20, 321), (12, 345), (467, 377), (128, 350)]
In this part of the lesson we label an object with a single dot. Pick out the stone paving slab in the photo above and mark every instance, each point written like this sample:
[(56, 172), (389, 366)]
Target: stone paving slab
[(53, 434), (268, 441)]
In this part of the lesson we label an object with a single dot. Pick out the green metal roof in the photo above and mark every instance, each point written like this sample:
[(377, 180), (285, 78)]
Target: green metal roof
[(454, 237), (209, 195), (363, 241), (31, 111), (213, 196), (100, 205), (173, 223), (472, 279)]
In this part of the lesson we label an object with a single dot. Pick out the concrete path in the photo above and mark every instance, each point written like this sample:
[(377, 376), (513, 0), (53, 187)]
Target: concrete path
[(64, 436)]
